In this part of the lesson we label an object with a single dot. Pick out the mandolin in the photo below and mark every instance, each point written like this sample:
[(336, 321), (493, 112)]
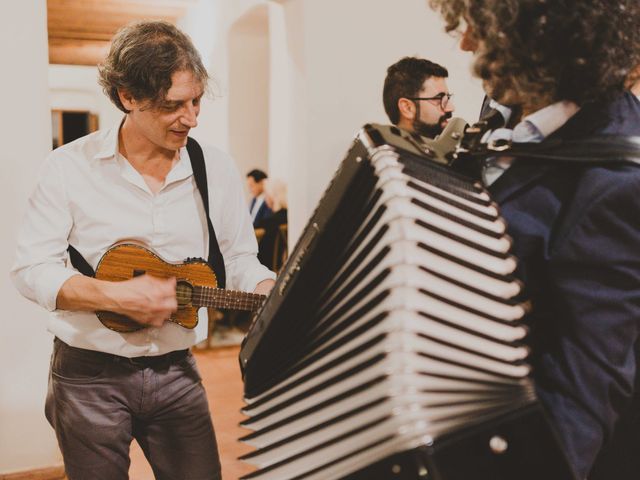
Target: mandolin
[(195, 285)]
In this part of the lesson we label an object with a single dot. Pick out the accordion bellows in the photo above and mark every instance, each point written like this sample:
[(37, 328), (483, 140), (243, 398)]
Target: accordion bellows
[(394, 335)]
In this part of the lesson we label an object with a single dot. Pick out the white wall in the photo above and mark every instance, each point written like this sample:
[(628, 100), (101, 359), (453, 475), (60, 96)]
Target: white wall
[(75, 87), (248, 92), (288, 119), (26, 439), (340, 51), (327, 62), (208, 23), (238, 87)]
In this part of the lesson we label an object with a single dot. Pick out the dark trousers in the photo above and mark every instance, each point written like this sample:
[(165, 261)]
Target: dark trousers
[(98, 403)]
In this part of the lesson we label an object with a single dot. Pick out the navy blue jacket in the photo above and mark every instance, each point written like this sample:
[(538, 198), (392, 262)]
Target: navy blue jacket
[(263, 213), (576, 233)]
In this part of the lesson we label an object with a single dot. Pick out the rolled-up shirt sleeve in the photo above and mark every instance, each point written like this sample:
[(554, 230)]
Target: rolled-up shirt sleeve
[(39, 269), (238, 242)]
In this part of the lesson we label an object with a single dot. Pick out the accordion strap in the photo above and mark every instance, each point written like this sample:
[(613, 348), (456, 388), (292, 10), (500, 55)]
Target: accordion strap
[(599, 150)]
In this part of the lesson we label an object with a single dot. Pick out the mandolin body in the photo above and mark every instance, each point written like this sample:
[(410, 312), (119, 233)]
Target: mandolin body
[(125, 261)]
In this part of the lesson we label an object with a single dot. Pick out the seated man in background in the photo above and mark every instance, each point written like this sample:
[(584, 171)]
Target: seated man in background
[(272, 246), (416, 97), (258, 209), (575, 227)]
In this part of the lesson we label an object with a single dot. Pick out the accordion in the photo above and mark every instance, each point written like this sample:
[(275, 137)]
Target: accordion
[(392, 345)]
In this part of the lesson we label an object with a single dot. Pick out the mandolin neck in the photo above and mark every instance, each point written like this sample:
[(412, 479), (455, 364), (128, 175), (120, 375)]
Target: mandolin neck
[(226, 299)]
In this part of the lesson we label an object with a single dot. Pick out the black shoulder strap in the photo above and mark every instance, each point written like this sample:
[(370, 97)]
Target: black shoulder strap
[(215, 255), (599, 150), (79, 263), (200, 174)]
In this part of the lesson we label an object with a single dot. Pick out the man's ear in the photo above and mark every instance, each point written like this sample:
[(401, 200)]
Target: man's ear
[(407, 108), (126, 99)]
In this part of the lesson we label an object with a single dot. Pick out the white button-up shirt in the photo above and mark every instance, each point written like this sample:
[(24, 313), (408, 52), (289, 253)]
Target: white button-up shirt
[(89, 196), (253, 211)]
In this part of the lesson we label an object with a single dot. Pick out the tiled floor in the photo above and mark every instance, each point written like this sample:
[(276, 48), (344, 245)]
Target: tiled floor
[(221, 377)]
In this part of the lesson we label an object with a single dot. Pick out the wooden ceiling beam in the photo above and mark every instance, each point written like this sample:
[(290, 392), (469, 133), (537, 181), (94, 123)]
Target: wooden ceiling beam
[(81, 15), (114, 6), (79, 29), (78, 52)]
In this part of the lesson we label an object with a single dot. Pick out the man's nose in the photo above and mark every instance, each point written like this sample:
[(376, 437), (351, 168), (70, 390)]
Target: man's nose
[(190, 116), (450, 106)]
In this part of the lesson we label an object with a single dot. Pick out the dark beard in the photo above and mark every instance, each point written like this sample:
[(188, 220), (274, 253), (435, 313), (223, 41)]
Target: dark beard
[(430, 130)]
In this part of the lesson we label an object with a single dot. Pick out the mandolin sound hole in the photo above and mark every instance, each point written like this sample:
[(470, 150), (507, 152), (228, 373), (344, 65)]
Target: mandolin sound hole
[(184, 293)]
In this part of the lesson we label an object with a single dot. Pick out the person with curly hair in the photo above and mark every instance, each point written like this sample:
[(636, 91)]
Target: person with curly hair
[(575, 228), (416, 97)]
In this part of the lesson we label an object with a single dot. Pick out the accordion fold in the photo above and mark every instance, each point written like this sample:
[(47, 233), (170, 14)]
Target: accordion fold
[(393, 344)]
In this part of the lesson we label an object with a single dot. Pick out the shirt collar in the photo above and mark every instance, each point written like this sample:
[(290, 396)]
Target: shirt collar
[(182, 169), (532, 128), (542, 123), (109, 150), (504, 111), (109, 147)]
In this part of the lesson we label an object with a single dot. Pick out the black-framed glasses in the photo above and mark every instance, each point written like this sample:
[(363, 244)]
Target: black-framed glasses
[(442, 98)]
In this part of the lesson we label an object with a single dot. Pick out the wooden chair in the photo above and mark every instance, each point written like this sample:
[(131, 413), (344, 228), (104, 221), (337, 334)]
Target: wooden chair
[(280, 250)]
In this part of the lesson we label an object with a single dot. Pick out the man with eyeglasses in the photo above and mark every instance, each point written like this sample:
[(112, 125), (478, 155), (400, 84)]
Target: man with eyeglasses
[(416, 97)]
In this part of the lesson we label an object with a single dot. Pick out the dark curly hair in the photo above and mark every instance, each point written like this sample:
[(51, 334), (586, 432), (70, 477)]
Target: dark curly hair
[(257, 175), (143, 57), (404, 80), (534, 52)]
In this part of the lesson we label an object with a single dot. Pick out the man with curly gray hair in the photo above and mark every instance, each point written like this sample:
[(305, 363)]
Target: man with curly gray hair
[(575, 228), (144, 180)]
